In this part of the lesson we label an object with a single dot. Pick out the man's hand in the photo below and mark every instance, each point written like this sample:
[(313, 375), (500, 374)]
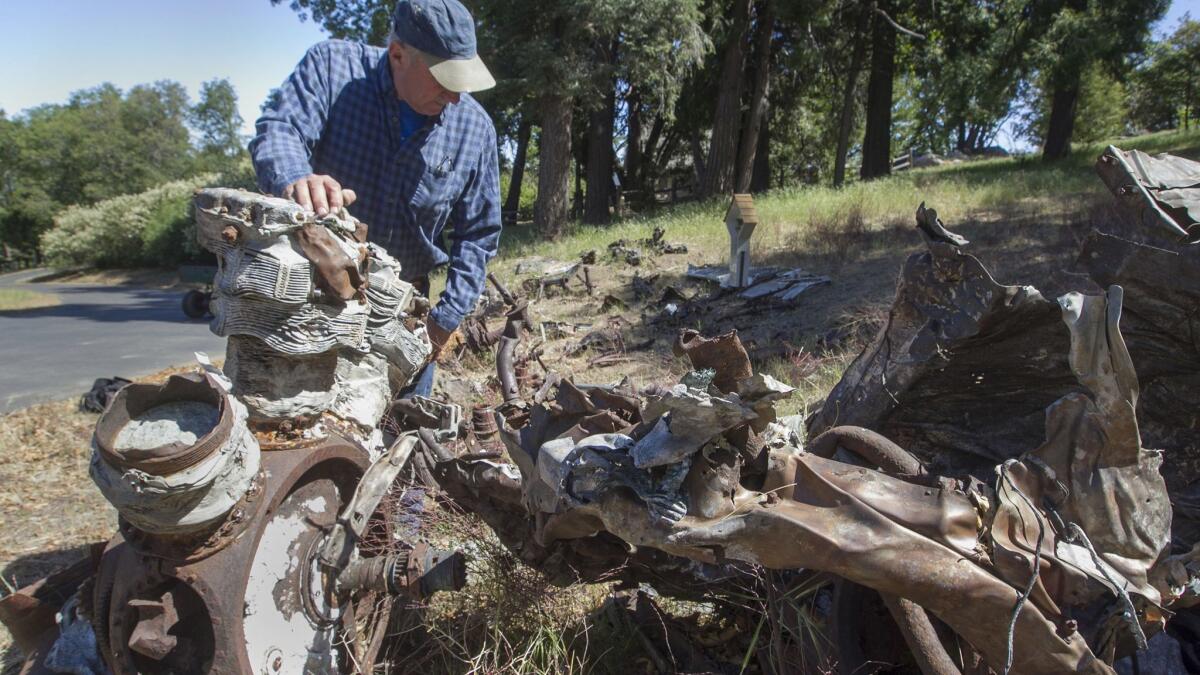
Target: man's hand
[(438, 336), (320, 194)]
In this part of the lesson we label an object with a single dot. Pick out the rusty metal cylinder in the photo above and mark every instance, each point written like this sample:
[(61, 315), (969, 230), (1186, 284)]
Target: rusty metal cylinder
[(419, 573), (174, 458), (483, 423)]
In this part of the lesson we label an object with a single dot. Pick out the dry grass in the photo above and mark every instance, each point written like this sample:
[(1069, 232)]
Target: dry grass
[(18, 299), (50, 508), (508, 619), (48, 502)]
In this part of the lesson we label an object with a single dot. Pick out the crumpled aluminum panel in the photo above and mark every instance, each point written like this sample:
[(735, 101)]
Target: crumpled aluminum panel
[(1091, 494), (1162, 191), (930, 542)]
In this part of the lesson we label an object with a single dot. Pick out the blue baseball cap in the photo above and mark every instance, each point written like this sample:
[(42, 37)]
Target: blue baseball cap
[(443, 31)]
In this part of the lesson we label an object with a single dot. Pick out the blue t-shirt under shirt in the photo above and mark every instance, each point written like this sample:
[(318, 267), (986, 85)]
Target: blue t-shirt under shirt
[(410, 121)]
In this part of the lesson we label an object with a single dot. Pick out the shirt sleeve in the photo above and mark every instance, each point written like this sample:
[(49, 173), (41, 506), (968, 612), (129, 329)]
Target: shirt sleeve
[(476, 235), (291, 123)]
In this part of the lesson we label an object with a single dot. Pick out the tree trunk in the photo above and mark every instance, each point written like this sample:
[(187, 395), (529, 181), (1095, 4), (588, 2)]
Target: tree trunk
[(760, 177), (599, 165), (651, 165), (717, 176), (600, 155), (1062, 119), (512, 203), (633, 143), (765, 18), (580, 163), (877, 141), (698, 164), (846, 121), (554, 164)]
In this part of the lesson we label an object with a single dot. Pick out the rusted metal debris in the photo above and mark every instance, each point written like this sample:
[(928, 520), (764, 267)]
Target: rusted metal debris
[(983, 468), (477, 336), (659, 244), (934, 229), (1160, 192), (483, 422), (623, 251), (586, 278), (925, 537), (981, 508), (607, 339)]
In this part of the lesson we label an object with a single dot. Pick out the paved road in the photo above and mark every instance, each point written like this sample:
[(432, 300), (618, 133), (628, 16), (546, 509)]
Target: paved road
[(95, 331)]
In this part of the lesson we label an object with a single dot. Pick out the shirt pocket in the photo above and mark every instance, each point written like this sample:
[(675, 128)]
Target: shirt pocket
[(435, 194)]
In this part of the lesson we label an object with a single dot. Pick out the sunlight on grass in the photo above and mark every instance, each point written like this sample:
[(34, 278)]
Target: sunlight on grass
[(1001, 187), (16, 300)]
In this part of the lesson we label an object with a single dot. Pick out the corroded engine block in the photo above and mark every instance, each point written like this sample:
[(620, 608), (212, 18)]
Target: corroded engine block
[(242, 500)]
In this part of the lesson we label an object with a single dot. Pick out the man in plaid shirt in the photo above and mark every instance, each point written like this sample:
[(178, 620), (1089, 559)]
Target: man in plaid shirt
[(392, 135)]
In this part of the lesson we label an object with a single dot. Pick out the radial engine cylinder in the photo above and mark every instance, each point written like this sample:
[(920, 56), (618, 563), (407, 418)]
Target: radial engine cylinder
[(174, 458)]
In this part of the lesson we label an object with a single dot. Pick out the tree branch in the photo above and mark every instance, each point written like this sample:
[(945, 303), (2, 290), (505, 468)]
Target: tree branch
[(897, 26)]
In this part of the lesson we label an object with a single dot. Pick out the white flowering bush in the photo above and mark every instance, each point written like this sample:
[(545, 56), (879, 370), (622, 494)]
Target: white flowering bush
[(154, 228)]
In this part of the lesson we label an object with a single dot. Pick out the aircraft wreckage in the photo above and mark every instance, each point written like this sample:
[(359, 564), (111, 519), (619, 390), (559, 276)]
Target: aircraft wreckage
[(1016, 478)]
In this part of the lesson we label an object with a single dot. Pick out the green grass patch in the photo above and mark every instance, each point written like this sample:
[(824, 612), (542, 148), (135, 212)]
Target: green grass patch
[(990, 189), (19, 300)]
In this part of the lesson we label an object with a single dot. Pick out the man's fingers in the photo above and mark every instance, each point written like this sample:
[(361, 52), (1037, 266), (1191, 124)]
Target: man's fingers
[(300, 194), (319, 194), (334, 192), (316, 189)]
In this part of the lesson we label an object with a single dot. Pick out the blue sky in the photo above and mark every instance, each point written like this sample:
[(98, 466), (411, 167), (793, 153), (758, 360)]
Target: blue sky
[(53, 47)]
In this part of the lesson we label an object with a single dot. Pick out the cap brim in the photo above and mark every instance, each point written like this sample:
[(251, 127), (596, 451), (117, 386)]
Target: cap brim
[(460, 75)]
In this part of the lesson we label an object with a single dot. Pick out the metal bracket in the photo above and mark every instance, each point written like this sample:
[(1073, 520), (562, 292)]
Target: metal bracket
[(338, 548)]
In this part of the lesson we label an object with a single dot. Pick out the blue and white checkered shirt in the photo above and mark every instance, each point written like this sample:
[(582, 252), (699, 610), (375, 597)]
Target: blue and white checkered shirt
[(338, 114)]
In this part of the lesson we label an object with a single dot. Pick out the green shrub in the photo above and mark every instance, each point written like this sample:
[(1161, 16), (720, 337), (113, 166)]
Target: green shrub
[(150, 229), (528, 192)]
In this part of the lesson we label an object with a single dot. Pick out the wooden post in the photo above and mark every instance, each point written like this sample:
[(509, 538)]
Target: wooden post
[(740, 221)]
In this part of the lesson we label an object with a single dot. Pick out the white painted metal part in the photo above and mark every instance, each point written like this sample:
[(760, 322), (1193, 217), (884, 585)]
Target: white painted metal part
[(280, 635)]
